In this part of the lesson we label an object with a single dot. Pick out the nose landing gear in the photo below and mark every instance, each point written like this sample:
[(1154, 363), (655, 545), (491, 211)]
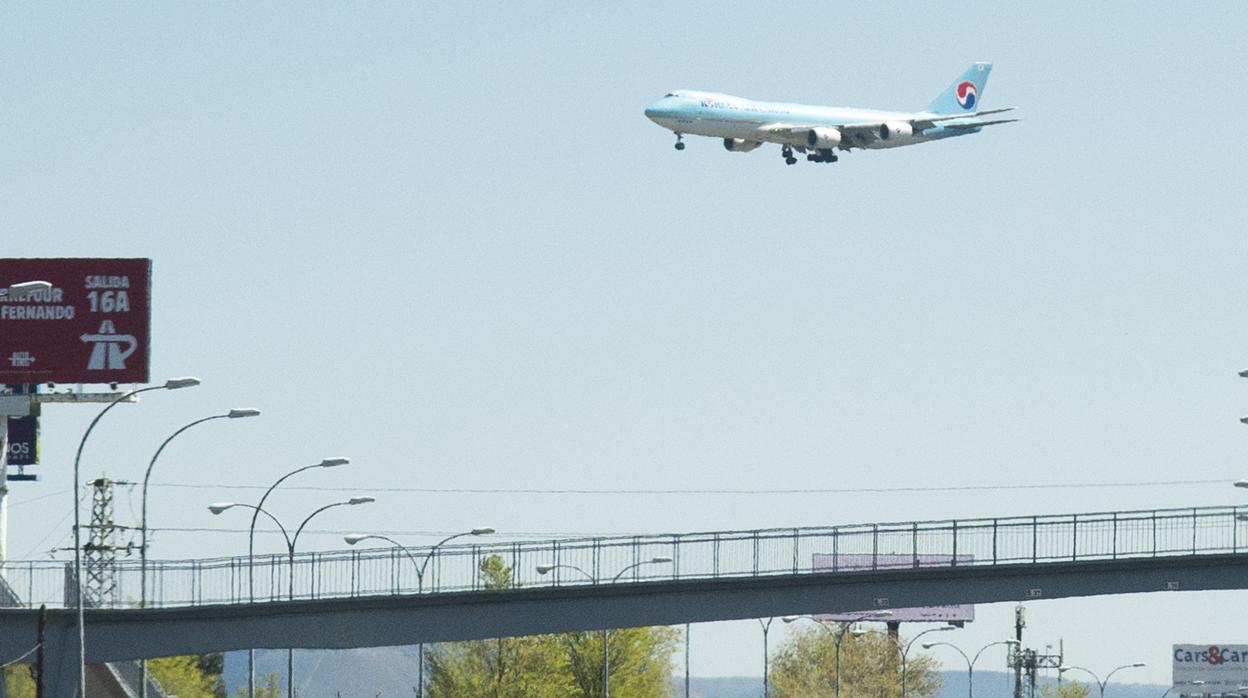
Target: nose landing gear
[(680, 142)]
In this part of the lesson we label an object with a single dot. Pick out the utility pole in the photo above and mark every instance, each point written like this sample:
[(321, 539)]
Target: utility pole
[(100, 551), (1020, 622), (1029, 661)]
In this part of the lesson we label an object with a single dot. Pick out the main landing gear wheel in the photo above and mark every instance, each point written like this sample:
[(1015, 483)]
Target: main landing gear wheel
[(787, 152), (680, 143), (822, 155)]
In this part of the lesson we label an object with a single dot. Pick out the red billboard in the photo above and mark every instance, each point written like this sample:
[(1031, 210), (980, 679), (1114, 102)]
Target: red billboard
[(92, 326)]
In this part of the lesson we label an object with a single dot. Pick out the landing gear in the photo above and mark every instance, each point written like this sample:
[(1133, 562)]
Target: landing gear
[(822, 155), (787, 152), (680, 143)]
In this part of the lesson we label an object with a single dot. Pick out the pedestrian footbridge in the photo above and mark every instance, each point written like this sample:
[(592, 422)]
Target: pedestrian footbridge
[(375, 597)]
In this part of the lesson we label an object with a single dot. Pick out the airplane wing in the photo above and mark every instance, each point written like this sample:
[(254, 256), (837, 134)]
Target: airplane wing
[(978, 124), (781, 133), (862, 134), (853, 135)]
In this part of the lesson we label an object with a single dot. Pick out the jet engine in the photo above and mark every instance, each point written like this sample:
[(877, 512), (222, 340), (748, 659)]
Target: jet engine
[(820, 137), (897, 129), (740, 145)]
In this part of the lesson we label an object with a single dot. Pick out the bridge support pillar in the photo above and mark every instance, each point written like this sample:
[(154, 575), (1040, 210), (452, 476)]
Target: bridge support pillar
[(60, 660)]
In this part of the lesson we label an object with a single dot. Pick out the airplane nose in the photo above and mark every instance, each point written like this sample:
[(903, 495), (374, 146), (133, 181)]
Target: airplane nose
[(657, 110)]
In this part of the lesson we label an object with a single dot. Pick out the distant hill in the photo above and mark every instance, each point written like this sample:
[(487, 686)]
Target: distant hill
[(388, 672)]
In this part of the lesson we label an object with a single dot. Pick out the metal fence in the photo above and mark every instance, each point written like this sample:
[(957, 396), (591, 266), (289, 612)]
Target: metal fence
[(846, 549)]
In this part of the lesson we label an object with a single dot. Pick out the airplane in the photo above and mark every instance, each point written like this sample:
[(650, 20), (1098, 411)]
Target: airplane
[(745, 124)]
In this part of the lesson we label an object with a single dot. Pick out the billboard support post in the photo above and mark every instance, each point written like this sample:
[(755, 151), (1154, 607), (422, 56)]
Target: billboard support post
[(4, 488), (10, 406)]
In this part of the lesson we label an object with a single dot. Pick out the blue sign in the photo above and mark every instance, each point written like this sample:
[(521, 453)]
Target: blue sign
[(23, 441)]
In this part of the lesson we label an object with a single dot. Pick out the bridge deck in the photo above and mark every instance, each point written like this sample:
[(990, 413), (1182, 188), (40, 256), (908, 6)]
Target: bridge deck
[(1027, 540)]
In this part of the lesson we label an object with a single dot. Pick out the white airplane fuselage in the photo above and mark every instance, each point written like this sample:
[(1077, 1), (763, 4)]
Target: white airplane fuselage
[(745, 124), (725, 116)]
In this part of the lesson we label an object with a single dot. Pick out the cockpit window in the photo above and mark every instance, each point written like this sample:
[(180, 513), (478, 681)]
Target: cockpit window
[(670, 94)]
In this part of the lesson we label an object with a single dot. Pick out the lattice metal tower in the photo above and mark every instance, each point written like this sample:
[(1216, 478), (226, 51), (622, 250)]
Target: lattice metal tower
[(100, 550)]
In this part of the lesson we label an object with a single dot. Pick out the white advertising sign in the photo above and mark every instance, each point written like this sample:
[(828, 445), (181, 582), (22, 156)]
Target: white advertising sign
[(1200, 669)]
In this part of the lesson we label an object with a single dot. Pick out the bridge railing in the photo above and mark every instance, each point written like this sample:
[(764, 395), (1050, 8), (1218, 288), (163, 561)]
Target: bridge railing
[(845, 549)]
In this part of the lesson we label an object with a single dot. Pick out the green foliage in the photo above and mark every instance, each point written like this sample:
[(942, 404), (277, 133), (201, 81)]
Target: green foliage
[(515, 667), (267, 687), (640, 661), (495, 573), (804, 667), (18, 682), (551, 666), (185, 677), (1065, 690)]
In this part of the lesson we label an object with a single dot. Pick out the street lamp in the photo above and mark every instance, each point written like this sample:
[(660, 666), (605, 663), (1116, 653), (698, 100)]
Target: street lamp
[(970, 662), (171, 384), (354, 538), (25, 288), (251, 551), (1243, 374), (839, 634), (606, 632), (905, 652), (218, 507), (1197, 682), (766, 657), (1101, 684), (237, 413)]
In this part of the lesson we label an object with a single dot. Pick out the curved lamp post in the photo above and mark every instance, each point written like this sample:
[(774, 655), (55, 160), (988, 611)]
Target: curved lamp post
[(970, 662), (1197, 682), (354, 538), (251, 551), (1243, 374), (291, 541), (237, 413), (606, 632), (171, 384), (838, 634), (1100, 684), (906, 652)]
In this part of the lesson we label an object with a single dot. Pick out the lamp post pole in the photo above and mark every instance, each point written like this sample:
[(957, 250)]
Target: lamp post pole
[(686, 660), (606, 632), (766, 659), (171, 384), (232, 414), (905, 652), (970, 662), (1100, 684), (838, 635), (1197, 682), (251, 552), (219, 507), (420, 581)]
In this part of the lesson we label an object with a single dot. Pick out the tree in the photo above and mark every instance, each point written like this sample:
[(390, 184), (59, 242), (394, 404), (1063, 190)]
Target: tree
[(503, 667), (804, 667), (17, 681), (184, 677), (640, 661), (1066, 690), (551, 666)]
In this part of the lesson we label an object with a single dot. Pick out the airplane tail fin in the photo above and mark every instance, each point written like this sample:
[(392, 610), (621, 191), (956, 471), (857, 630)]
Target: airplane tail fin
[(962, 97)]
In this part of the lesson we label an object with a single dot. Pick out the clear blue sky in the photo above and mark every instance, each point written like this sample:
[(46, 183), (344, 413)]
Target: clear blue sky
[(442, 239)]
